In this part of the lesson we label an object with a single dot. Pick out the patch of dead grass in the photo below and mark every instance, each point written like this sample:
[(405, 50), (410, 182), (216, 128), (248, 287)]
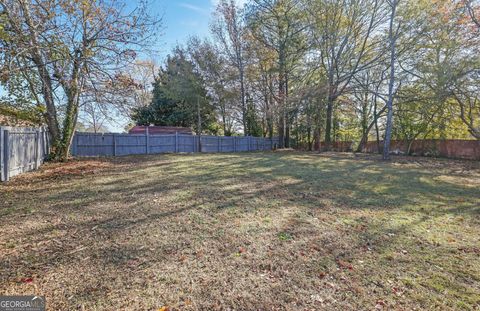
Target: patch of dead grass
[(260, 231)]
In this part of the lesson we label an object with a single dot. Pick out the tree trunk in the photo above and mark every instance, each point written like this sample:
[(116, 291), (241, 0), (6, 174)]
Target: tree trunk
[(364, 139), (270, 100), (309, 137), (69, 125), (287, 136), (282, 95), (363, 142), (199, 126), (281, 131), (329, 116), (328, 125), (46, 81), (225, 132), (388, 129), (377, 132), (287, 111), (244, 105), (365, 126), (409, 147)]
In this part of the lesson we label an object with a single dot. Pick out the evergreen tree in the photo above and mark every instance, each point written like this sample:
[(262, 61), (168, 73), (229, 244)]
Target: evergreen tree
[(179, 98)]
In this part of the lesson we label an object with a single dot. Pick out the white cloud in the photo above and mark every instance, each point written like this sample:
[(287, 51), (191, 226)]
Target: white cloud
[(194, 8)]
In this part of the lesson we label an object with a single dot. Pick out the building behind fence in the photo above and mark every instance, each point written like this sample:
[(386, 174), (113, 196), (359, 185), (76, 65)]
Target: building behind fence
[(22, 149), (90, 144)]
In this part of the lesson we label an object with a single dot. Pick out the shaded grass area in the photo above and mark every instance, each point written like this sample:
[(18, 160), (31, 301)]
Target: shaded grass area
[(254, 231)]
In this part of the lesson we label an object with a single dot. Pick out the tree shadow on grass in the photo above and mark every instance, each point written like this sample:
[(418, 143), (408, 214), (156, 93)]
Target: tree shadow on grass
[(97, 212)]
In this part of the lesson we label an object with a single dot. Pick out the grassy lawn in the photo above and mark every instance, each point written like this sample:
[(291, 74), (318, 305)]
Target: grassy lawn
[(258, 231)]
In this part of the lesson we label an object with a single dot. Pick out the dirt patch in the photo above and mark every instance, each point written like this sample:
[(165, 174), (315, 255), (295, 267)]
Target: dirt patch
[(67, 169)]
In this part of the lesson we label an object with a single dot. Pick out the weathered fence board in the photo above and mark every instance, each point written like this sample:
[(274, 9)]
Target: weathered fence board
[(448, 148), (91, 144), (21, 150)]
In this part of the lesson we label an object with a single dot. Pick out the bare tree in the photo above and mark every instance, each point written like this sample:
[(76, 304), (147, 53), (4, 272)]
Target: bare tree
[(469, 104), (392, 38), (281, 27), (219, 79), (68, 47), (116, 98), (229, 29), (367, 93), (343, 35)]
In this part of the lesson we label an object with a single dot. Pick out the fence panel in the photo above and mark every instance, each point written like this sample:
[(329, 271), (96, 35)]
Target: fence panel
[(126, 144), (162, 144), (243, 143), (89, 144), (449, 148), (3, 168), (227, 144), (21, 150), (187, 143), (210, 143)]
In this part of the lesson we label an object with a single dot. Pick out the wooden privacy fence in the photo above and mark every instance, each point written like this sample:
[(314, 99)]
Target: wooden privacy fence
[(448, 148), (90, 144), (22, 149)]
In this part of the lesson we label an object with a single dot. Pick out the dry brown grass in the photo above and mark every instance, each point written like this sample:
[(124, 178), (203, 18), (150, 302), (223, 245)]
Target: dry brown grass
[(272, 231)]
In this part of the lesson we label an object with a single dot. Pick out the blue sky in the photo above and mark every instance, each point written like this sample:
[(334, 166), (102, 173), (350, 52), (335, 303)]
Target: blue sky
[(182, 19)]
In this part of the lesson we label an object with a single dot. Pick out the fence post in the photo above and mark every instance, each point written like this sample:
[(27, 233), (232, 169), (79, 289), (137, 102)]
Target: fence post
[(219, 143), (234, 144), (195, 144), (6, 155), (147, 138), (75, 144), (37, 152), (2, 160), (114, 144), (176, 142), (44, 146), (48, 141)]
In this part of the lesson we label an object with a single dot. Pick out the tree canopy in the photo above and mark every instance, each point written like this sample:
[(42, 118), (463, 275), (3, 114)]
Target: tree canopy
[(179, 98), (317, 71), (64, 53), (312, 72)]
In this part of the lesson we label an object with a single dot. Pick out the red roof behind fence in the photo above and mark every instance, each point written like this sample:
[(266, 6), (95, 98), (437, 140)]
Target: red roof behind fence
[(160, 130)]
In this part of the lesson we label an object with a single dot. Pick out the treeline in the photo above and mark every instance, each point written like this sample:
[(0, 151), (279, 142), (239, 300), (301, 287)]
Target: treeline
[(328, 70), (307, 71)]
